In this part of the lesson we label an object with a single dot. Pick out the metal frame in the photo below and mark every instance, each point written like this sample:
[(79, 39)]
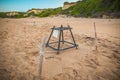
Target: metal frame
[(61, 39)]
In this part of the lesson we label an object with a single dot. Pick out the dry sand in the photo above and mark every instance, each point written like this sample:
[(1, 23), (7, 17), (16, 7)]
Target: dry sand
[(19, 52)]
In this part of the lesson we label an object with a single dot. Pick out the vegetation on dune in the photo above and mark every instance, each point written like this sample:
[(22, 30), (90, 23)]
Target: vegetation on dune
[(5, 15), (49, 12), (19, 15), (87, 8), (31, 14)]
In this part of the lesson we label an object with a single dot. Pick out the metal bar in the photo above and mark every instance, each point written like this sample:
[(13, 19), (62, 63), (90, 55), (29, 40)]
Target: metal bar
[(62, 41), (72, 36), (63, 28), (52, 47), (69, 42), (53, 42), (50, 37), (68, 47), (61, 49), (62, 37), (59, 42)]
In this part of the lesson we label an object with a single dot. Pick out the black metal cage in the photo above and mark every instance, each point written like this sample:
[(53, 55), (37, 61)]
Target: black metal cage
[(61, 39)]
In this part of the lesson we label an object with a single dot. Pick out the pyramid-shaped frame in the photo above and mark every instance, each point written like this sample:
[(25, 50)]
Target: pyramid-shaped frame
[(61, 39)]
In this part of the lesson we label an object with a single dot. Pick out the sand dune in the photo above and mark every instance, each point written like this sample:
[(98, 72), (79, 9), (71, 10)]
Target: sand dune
[(19, 52)]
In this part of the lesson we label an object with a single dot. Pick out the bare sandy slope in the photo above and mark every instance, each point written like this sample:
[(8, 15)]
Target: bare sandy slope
[(19, 52)]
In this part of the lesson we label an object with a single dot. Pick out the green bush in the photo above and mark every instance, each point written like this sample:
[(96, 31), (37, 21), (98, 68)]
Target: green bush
[(85, 8), (90, 7), (49, 12), (3, 14), (19, 15)]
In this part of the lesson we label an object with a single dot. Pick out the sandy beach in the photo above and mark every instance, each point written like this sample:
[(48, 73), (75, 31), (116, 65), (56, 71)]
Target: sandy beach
[(19, 51)]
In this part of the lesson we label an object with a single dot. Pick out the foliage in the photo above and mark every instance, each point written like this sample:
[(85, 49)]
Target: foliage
[(31, 14), (85, 8), (3, 14), (19, 15), (49, 12), (66, 2), (90, 7)]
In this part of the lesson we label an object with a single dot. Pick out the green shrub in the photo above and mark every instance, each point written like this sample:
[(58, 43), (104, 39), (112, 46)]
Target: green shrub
[(89, 7), (3, 14), (19, 15), (49, 12)]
